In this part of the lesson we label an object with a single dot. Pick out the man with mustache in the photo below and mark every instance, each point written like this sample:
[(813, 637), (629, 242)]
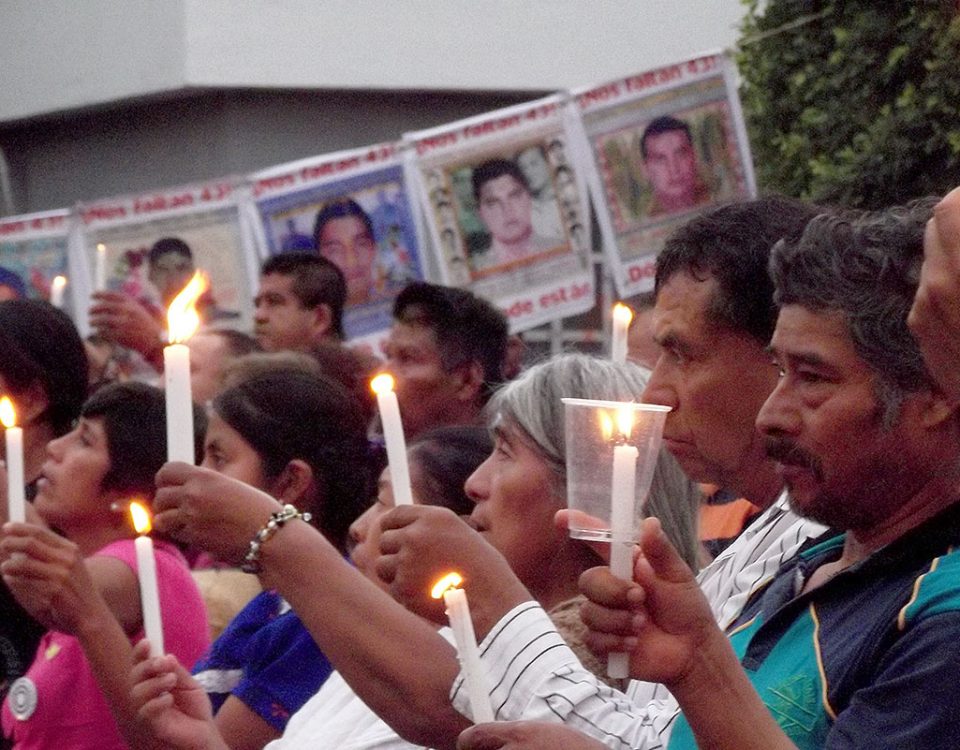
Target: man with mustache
[(858, 631), (713, 318)]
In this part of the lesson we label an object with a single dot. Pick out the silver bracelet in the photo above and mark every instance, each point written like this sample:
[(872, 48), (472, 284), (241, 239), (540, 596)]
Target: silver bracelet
[(251, 561)]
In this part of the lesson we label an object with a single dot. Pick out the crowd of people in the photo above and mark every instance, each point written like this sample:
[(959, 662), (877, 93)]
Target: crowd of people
[(810, 359)]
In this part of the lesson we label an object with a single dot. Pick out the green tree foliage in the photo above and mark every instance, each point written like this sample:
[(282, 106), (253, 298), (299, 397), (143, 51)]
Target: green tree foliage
[(853, 102)]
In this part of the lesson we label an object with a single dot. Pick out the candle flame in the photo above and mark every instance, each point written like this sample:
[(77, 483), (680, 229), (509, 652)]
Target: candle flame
[(141, 518), (59, 282), (606, 424), (101, 248), (382, 383), (622, 313), (183, 320), (8, 415), (449, 581), (625, 421)]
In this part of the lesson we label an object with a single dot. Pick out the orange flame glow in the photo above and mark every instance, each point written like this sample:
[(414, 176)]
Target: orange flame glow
[(622, 313), (8, 415), (142, 522), (382, 383), (449, 581), (183, 320)]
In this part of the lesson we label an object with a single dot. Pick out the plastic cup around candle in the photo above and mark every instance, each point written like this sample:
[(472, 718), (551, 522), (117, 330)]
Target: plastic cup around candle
[(592, 436)]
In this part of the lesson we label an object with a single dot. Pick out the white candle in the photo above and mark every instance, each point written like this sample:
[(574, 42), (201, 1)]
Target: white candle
[(16, 497), (622, 316), (382, 385), (458, 612), (149, 594), (147, 575), (621, 533), (182, 321), (100, 269), (179, 402), (56, 291)]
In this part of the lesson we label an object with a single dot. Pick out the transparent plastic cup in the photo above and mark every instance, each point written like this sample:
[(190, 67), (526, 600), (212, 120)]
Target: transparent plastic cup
[(594, 430)]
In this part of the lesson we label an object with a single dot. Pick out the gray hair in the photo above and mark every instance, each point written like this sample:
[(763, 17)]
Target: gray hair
[(866, 266), (532, 405)]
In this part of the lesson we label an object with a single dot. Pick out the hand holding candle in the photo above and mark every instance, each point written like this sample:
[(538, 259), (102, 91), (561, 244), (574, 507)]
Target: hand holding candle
[(183, 321), (16, 496), (622, 315), (147, 575), (382, 385), (458, 611)]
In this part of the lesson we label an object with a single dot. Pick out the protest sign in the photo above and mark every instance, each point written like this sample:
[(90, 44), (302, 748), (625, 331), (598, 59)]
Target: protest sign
[(353, 207), (506, 211), (659, 147)]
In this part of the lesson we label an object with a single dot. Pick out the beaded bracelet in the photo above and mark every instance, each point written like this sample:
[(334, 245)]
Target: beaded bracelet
[(251, 561)]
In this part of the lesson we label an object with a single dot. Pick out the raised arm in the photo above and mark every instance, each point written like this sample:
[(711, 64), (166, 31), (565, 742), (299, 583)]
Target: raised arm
[(394, 660)]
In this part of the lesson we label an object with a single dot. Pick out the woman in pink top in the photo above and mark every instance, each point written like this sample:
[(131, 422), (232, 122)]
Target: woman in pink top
[(81, 582)]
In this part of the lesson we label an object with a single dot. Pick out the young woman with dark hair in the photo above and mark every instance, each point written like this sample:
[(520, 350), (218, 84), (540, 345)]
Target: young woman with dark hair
[(73, 568)]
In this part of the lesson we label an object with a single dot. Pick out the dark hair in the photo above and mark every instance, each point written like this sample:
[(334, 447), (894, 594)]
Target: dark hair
[(467, 328), (446, 456), (238, 343), (40, 344), (494, 168), (286, 414), (665, 124), (732, 244), (167, 245), (340, 209), (135, 422), (316, 281), (866, 266), (352, 370)]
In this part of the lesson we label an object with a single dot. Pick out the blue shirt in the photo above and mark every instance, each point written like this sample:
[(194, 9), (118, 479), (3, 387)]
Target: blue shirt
[(267, 659), (869, 658)]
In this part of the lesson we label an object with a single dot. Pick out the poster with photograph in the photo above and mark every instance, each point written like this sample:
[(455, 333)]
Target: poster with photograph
[(353, 207), (660, 147), (153, 243), (505, 207), (33, 252)]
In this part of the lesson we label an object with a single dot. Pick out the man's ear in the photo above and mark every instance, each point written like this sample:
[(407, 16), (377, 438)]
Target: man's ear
[(469, 381), (322, 321), (936, 408), (294, 485)]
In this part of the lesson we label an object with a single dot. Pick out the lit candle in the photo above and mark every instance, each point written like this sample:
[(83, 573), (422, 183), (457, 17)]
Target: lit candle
[(56, 291), (458, 612), (147, 575), (182, 320), (622, 512), (382, 385), (622, 315), (16, 497), (100, 269)]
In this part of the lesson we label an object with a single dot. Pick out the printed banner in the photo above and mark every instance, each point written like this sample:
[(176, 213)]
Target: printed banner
[(33, 251), (658, 148), (506, 211), (153, 242), (353, 207)]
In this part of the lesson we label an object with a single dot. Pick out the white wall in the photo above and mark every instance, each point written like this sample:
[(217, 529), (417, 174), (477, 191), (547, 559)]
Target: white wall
[(59, 55)]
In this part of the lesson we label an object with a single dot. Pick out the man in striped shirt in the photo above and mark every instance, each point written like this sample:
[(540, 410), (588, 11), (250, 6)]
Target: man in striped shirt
[(713, 318)]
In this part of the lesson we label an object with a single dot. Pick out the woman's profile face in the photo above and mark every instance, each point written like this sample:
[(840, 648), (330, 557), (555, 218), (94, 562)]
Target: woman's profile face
[(226, 452), (69, 491), (516, 501)]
